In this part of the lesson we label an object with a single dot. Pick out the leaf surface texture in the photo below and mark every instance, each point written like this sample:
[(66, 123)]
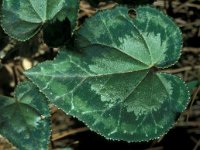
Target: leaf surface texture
[(24, 120), (109, 83)]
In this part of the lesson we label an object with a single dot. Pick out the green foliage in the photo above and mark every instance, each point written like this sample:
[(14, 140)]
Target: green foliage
[(111, 79), (193, 84), (22, 19), (110, 82), (24, 120)]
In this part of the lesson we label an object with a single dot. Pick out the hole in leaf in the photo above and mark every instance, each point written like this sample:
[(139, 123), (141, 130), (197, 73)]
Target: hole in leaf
[(132, 13)]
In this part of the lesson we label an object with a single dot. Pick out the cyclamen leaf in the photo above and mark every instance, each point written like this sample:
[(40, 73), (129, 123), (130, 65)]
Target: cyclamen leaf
[(24, 120), (22, 19), (193, 85), (110, 84)]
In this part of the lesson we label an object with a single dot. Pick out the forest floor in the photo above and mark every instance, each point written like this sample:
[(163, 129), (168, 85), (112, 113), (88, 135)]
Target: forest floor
[(15, 57)]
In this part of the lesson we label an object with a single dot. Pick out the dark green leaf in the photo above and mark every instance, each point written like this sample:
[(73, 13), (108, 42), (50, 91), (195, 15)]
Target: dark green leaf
[(22, 19), (24, 120), (193, 84), (110, 83)]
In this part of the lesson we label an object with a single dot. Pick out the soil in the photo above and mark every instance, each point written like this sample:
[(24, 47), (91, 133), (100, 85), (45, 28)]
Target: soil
[(15, 57)]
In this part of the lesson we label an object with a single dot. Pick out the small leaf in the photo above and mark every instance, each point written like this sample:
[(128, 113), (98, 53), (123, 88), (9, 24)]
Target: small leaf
[(193, 84), (24, 120), (110, 84), (22, 19)]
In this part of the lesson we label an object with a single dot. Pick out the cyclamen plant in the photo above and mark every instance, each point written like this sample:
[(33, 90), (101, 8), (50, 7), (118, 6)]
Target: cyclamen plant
[(107, 79)]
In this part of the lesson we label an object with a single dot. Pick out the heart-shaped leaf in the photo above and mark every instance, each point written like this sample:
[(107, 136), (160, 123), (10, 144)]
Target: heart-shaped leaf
[(24, 120), (22, 19), (110, 84)]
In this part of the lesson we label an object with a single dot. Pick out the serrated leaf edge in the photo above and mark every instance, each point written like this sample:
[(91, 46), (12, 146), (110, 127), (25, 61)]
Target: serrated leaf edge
[(91, 128), (46, 117)]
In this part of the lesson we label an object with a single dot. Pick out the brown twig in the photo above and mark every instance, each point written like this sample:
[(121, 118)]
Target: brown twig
[(197, 145), (58, 136), (178, 70), (188, 124), (191, 49)]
